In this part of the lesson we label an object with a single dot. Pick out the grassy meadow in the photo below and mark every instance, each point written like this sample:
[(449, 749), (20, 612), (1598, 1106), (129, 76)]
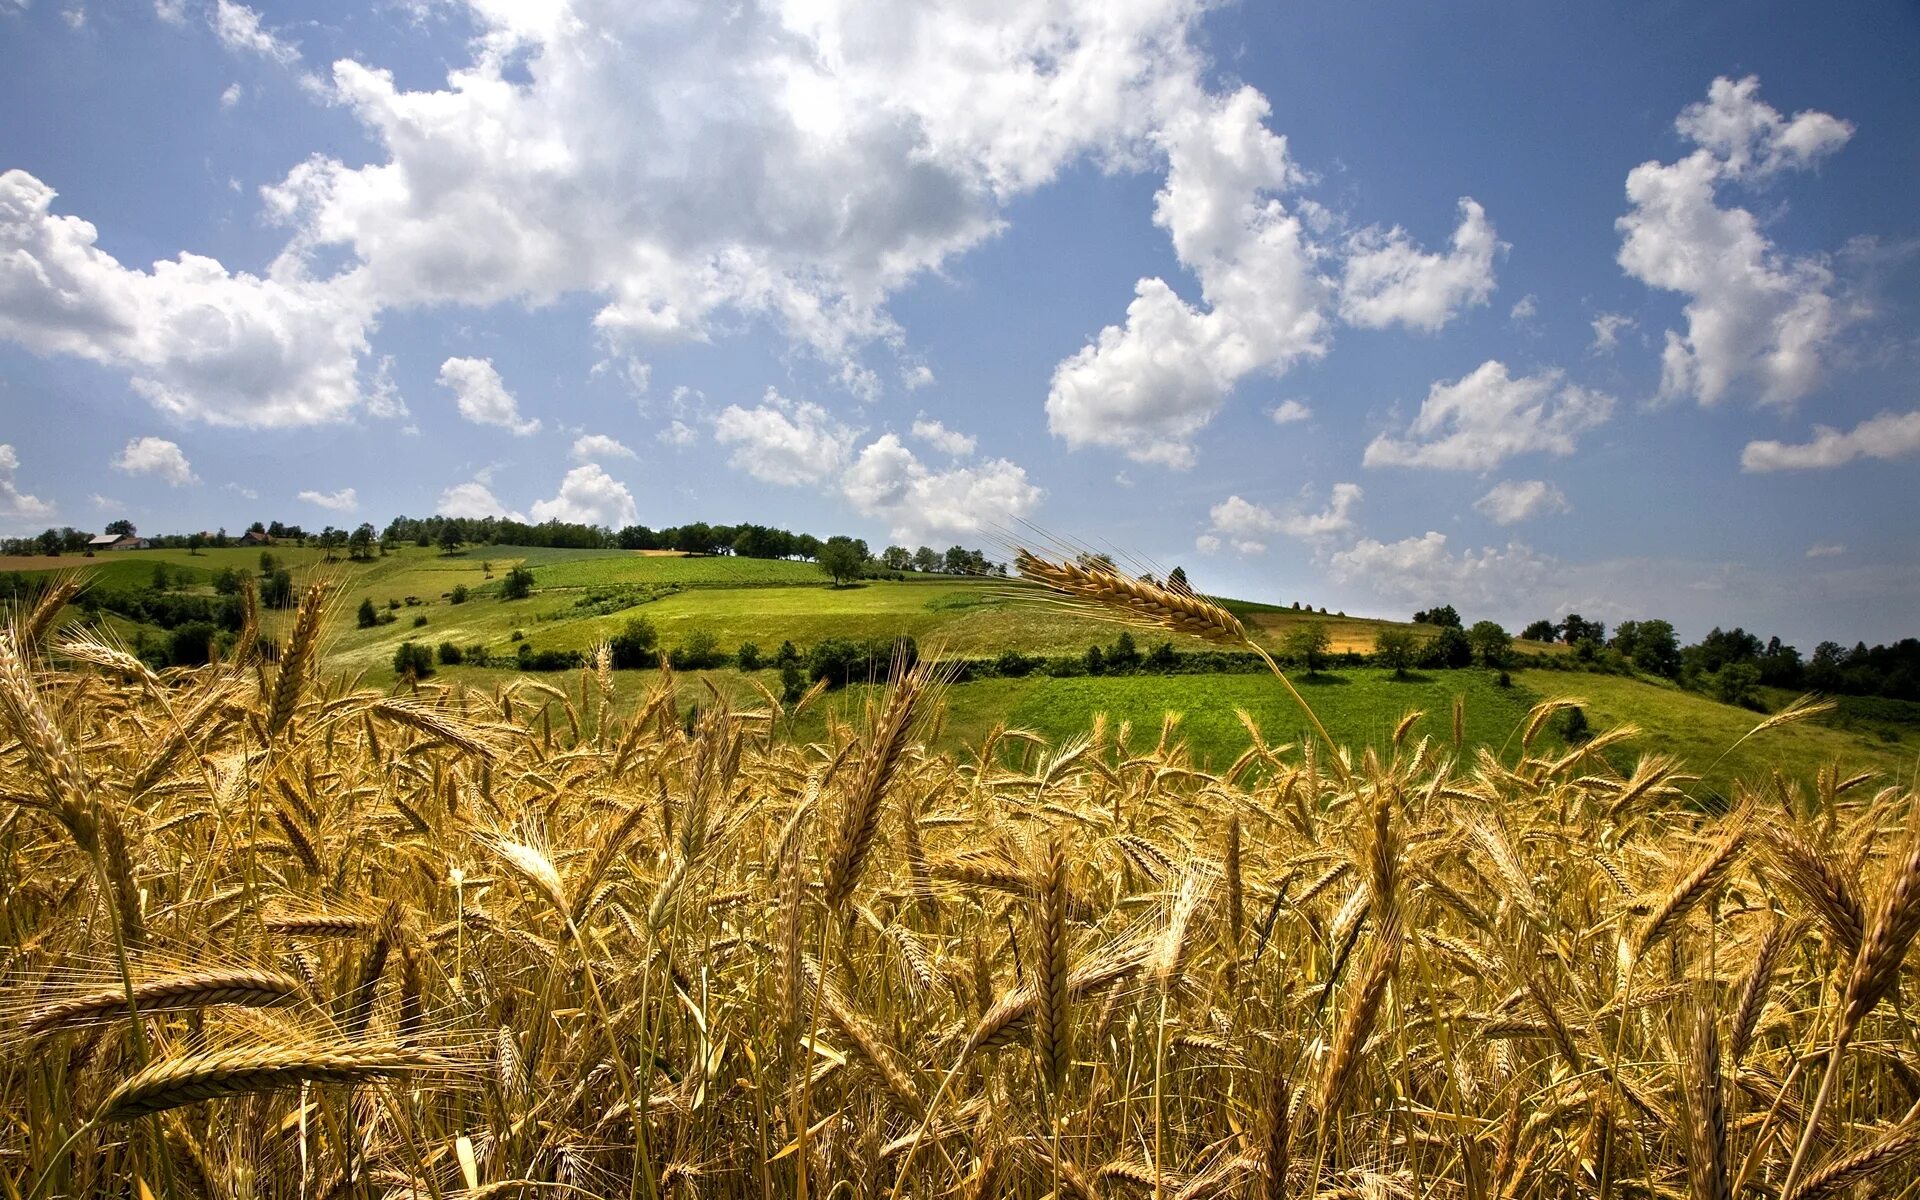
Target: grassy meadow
[(265, 933)]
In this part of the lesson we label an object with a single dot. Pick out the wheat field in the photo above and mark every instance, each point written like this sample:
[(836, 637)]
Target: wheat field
[(267, 935)]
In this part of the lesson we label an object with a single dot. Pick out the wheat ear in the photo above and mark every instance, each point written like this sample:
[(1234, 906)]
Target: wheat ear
[(190, 1078), (192, 989)]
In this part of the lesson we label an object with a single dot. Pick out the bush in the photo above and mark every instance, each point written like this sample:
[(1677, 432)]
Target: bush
[(458, 595), (1572, 726), (699, 652), (1012, 664), (419, 621), (477, 655), (1162, 658), (517, 635), (636, 645), (450, 654), (840, 661), (227, 581), (1449, 649), (518, 584), (793, 682), (788, 653), (414, 659), (277, 590), (368, 616), (748, 657), (191, 645)]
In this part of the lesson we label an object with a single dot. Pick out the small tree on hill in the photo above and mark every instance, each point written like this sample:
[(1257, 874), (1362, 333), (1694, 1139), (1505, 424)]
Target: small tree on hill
[(368, 616), (1541, 631), (844, 558), (449, 537), (1396, 649), (120, 528), (518, 584), (1177, 581), (1308, 643), (1442, 615), (1490, 643)]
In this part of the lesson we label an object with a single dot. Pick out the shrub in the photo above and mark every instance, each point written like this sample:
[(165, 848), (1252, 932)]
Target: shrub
[(412, 659), (458, 595), (517, 635), (1572, 726), (277, 590), (1096, 661), (227, 581), (1012, 664), (793, 682), (368, 616), (788, 653), (419, 621), (477, 655), (191, 645), (636, 645), (1162, 658), (840, 661), (393, 603), (1450, 648), (748, 657), (518, 584), (450, 654), (700, 651)]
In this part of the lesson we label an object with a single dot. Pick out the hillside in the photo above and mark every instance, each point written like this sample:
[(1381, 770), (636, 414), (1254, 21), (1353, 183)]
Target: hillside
[(582, 597)]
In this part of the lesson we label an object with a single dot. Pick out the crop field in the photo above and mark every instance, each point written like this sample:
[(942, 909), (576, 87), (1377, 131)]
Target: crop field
[(267, 935)]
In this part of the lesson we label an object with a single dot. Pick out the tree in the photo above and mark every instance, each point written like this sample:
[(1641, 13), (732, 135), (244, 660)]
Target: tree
[(449, 537), (1450, 649), (1177, 581), (958, 561), (331, 540), (120, 528), (1576, 629), (1490, 643), (748, 657), (267, 563), (926, 560), (1444, 616), (277, 590), (844, 558), (1396, 649), (196, 542), (413, 660), (368, 616), (1541, 631), (360, 542), (458, 595), (1650, 645), (518, 584), (50, 543), (636, 645), (897, 558), (1308, 643)]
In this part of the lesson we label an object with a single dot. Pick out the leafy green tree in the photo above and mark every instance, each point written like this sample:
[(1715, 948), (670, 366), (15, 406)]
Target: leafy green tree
[(121, 528), (449, 537), (897, 558), (458, 595), (1491, 643), (451, 655), (793, 682), (1177, 581), (1541, 631), (518, 584), (277, 590), (1444, 616), (1396, 650), (268, 563), (636, 645), (368, 616), (1449, 649), (844, 558), (412, 660), (331, 540), (50, 543), (1576, 629), (748, 657), (360, 542), (1308, 643), (191, 644), (926, 560)]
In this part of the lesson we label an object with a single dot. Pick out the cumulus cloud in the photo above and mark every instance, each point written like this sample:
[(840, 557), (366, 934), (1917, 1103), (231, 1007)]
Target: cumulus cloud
[(344, 500), (948, 441), (1478, 422), (1512, 501), (589, 496), (14, 503), (1288, 411), (474, 499), (238, 28), (1388, 280), (482, 397), (1756, 318), (231, 96), (1524, 310), (593, 446), (1416, 569), (156, 456), (1826, 550), (1607, 328), (1246, 522), (1148, 386), (916, 377), (784, 441), (200, 342), (1887, 436), (1207, 543), (888, 482), (678, 434)]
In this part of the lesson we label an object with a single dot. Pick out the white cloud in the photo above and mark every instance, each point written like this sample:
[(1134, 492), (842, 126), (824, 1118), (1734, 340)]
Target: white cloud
[(1288, 411), (1512, 501), (201, 343), (474, 499), (916, 377), (824, 154), (1754, 316), (888, 482), (1607, 328), (1524, 310), (231, 96), (384, 399), (344, 500), (99, 502), (1146, 387), (238, 28), (1246, 522), (948, 441), (1886, 436), (245, 493), (678, 434), (75, 16), (784, 441), (1207, 543), (173, 12), (14, 503), (1390, 281), (1481, 420), (1826, 550), (156, 456), (592, 446), (482, 397), (1423, 570), (590, 496)]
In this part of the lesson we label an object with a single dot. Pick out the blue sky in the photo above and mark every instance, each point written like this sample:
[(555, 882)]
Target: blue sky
[(1607, 309)]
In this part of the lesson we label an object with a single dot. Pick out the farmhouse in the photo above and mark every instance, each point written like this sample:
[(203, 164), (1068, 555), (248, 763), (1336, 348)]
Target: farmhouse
[(255, 537), (117, 541)]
